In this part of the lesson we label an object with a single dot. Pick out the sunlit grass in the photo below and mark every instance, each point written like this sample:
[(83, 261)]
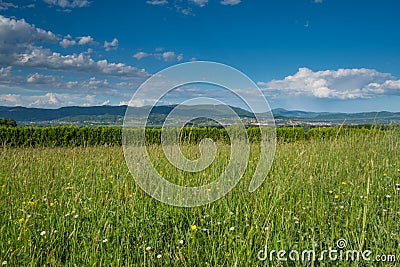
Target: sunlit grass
[(66, 206)]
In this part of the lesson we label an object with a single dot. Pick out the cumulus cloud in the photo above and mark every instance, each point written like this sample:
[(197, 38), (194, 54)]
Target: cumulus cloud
[(51, 100), (200, 3), (19, 33), (338, 84), (68, 3), (230, 2), (18, 47), (167, 56), (113, 45), (84, 40), (157, 2), (66, 42), (45, 58), (37, 78), (38, 82), (140, 55)]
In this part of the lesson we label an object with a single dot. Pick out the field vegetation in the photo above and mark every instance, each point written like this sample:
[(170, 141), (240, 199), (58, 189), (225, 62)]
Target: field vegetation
[(64, 204)]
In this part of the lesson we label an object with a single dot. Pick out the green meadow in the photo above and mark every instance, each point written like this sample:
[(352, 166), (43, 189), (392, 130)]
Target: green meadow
[(80, 206)]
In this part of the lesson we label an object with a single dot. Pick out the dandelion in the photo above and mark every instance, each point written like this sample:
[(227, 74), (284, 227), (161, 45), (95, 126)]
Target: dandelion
[(330, 192), (385, 174), (105, 240), (193, 227), (336, 196), (42, 233), (159, 256), (21, 220), (51, 204), (73, 211), (344, 183), (209, 189)]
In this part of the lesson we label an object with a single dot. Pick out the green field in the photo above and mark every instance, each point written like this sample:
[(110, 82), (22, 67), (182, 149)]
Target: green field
[(80, 206)]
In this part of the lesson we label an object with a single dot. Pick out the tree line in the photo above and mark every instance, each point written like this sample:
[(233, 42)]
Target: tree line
[(71, 136)]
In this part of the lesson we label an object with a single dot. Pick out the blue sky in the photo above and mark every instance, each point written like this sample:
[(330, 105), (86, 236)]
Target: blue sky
[(316, 55)]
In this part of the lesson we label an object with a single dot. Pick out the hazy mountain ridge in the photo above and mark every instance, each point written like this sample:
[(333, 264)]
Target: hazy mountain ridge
[(114, 114)]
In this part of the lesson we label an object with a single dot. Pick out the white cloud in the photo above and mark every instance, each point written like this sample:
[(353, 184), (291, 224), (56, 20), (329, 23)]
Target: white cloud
[(18, 33), (37, 78), (44, 58), (168, 56), (200, 3), (47, 100), (84, 40), (66, 42), (113, 45), (13, 82), (318, 1), (230, 2), (51, 100), (338, 84), (6, 5), (68, 3), (18, 47), (157, 2), (140, 55), (94, 83)]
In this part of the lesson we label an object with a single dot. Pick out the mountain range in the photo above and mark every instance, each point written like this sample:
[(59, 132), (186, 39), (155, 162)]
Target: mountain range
[(114, 115)]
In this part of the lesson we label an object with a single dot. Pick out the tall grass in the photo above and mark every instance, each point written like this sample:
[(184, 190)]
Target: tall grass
[(80, 206)]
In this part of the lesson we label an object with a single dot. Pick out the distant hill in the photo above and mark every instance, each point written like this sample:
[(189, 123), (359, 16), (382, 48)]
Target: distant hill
[(113, 115)]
